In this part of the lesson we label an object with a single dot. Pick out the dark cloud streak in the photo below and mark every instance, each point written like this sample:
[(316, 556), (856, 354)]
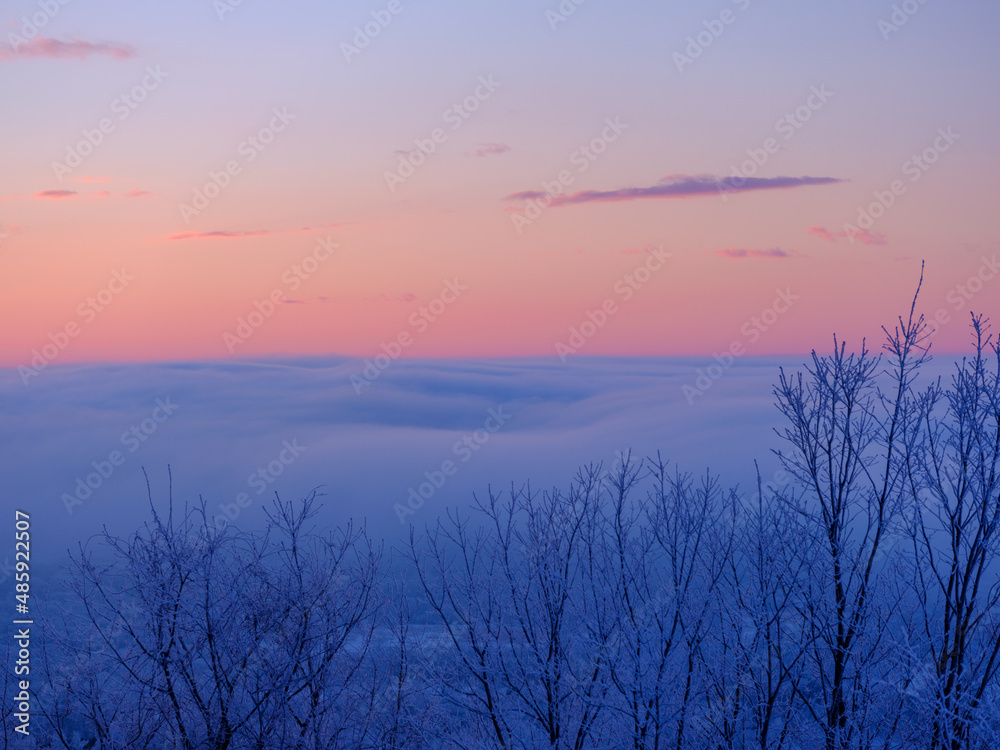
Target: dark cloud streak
[(677, 186)]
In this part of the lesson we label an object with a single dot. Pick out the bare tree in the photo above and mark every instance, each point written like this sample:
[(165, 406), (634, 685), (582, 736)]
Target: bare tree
[(515, 598), (847, 439), (762, 644), (185, 638), (670, 549), (953, 477)]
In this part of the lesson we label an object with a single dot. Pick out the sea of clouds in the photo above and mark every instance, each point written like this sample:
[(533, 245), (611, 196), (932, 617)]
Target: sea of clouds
[(236, 432)]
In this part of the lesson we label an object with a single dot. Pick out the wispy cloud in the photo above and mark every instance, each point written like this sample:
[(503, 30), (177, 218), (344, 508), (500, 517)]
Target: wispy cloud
[(645, 249), (822, 233), (321, 226), (128, 194), (232, 234), (6, 230), (404, 297), (677, 186), (868, 238), (57, 49), (55, 194), (490, 149), (218, 234), (863, 236), (771, 252)]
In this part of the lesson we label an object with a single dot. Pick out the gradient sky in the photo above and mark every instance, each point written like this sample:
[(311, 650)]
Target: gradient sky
[(324, 175)]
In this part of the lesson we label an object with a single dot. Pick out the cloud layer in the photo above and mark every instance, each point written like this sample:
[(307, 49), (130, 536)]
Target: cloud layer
[(232, 419), (367, 449)]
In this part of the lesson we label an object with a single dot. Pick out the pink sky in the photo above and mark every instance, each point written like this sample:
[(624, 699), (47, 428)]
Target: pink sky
[(311, 140)]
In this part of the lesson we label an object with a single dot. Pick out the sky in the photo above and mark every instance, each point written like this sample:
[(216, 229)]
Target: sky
[(212, 181)]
